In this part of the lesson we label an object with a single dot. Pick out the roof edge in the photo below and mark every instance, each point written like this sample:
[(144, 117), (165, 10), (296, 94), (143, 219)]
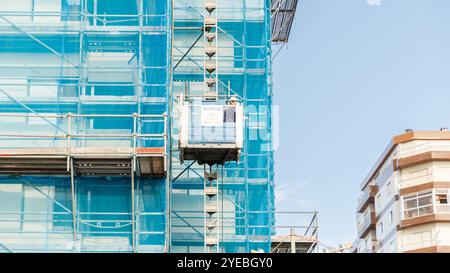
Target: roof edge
[(398, 139)]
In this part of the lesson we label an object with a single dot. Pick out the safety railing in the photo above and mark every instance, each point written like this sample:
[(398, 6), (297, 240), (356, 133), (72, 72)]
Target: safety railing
[(22, 18), (52, 231), (235, 226), (20, 130), (305, 223), (200, 131), (210, 123), (296, 228)]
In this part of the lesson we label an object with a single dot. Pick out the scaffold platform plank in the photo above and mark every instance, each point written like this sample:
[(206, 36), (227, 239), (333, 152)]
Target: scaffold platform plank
[(88, 161)]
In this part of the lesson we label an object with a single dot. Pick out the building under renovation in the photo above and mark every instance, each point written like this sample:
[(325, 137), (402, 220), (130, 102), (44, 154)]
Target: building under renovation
[(138, 125)]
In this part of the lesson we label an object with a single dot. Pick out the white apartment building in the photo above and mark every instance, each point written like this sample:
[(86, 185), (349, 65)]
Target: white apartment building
[(404, 201)]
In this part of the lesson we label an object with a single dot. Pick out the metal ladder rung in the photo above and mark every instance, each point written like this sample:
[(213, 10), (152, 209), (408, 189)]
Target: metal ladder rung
[(210, 95), (210, 21), (210, 66), (210, 51), (211, 186), (211, 176), (211, 209), (211, 225), (210, 82), (210, 36), (210, 6), (211, 241), (211, 191)]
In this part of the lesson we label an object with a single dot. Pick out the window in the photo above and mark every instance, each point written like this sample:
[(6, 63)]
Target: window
[(417, 204), (391, 216), (389, 188), (366, 213), (381, 227), (378, 200), (379, 196), (441, 199)]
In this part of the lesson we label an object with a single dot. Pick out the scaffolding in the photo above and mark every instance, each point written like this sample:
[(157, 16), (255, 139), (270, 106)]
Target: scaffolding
[(300, 237), (245, 188), (84, 92), (283, 14), (90, 96)]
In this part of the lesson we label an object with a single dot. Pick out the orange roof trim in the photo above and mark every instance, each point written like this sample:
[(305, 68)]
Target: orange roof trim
[(405, 137)]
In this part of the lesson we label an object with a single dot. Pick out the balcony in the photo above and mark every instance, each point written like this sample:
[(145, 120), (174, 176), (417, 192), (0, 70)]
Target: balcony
[(367, 197), (366, 223), (422, 242), (371, 247)]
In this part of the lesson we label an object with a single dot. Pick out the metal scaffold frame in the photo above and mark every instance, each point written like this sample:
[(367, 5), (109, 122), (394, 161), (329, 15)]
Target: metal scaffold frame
[(302, 237), (85, 32), (246, 227), (283, 14), (64, 72)]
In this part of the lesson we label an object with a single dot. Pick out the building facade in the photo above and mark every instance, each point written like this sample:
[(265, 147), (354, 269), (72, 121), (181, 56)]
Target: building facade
[(403, 205), (90, 94)]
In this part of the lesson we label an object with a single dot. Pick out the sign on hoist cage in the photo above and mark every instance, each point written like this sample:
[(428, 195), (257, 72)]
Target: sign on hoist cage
[(211, 115)]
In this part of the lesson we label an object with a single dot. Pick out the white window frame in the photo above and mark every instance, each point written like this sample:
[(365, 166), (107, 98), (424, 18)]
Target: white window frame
[(418, 207)]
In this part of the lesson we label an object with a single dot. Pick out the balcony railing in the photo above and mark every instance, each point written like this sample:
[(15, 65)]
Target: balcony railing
[(365, 224), (442, 208), (421, 243), (366, 197)]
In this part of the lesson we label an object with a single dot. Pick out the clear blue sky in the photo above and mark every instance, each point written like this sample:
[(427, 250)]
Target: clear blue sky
[(353, 76)]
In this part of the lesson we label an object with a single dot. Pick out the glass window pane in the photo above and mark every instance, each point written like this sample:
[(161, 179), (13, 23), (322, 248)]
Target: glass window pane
[(410, 203), (426, 210), (410, 213), (426, 200)]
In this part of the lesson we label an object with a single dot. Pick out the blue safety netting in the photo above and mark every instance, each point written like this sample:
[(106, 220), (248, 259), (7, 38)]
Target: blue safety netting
[(99, 59)]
